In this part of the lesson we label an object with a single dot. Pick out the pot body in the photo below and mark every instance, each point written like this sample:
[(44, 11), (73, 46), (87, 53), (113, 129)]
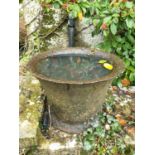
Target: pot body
[(75, 103)]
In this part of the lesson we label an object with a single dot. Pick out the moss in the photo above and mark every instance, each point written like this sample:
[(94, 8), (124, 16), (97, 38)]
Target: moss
[(27, 142), (29, 99), (42, 141), (30, 109)]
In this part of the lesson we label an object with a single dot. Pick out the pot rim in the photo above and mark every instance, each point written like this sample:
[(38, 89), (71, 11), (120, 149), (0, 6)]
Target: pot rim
[(118, 64)]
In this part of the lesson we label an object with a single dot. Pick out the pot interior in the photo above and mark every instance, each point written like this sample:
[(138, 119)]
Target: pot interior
[(74, 67)]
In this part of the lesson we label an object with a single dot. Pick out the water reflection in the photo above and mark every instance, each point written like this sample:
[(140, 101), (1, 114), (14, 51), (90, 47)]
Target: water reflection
[(72, 67)]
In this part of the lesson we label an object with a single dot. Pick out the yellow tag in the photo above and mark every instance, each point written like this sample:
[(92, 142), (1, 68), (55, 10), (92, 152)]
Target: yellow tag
[(80, 16), (108, 66), (102, 61)]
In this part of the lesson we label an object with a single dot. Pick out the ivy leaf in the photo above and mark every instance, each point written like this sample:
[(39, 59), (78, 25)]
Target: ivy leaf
[(100, 132), (131, 68), (115, 20), (56, 5), (118, 38), (107, 19), (131, 38), (132, 77), (87, 145), (129, 5), (129, 22), (84, 10), (113, 28), (110, 119), (119, 84), (92, 11), (127, 63)]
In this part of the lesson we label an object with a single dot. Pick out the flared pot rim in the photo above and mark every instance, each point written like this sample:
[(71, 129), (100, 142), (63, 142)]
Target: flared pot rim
[(118, 64)]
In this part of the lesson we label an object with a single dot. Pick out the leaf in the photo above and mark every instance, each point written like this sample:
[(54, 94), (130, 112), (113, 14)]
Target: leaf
[(131, 38), (107, 19), (132, 77), (113, 28), (84, 10), (129, 5), (90, 130), (108, 66), (56, 5), (115, 20), (127, 63), (85, 5), (114, 150), (92, 11), (105, 33), (131, 68), (118, 38), (115, 15), (114, 43), (116, 127), (110, 119), (102, 61), (129, 22), (87, 145), (90, 137), (119, 84), (95, 22), (99, 132)]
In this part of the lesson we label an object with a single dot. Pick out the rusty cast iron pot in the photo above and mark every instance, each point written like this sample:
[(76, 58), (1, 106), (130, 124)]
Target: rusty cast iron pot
[(75, 84)]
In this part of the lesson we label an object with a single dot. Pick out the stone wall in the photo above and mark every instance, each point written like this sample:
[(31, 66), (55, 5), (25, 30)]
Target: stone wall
[(51, 28)]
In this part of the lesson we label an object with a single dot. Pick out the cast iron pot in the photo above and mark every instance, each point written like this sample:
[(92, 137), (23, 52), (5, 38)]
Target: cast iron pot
[(75, 84)]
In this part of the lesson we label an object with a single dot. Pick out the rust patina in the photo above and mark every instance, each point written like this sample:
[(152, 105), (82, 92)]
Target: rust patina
[(75, 84)]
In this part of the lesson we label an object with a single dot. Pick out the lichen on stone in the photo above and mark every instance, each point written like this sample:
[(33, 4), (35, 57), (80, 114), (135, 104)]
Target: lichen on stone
[(30, 109)]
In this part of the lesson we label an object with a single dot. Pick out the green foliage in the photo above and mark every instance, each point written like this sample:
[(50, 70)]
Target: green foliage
[(115, 19), (106, 136)]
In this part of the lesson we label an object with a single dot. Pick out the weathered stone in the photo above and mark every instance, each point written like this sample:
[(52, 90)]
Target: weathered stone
[(51, 20), (51, 28), (58, 39), (60, 143), (30, 110), (27, 133), (32, 14), (84, 34)]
